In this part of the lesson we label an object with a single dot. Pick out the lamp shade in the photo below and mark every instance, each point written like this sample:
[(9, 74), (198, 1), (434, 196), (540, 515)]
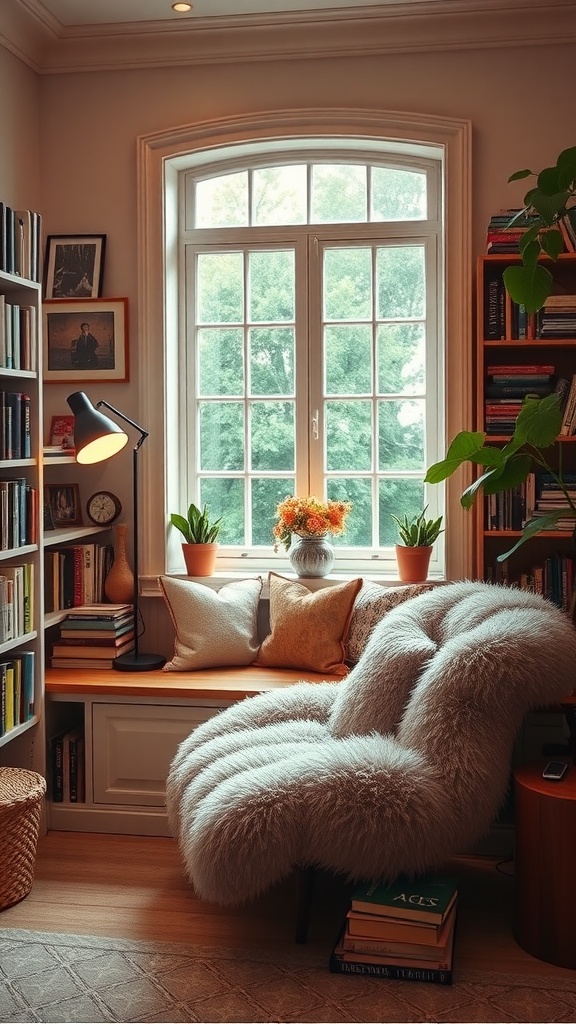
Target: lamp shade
[(96, 437)]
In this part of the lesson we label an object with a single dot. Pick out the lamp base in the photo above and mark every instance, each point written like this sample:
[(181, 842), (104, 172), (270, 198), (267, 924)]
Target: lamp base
[(133, 662)]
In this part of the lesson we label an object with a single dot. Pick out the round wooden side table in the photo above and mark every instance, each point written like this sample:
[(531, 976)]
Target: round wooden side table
[(545, 864)]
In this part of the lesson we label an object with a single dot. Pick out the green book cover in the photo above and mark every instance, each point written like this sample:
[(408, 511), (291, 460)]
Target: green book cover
[(427, 898)]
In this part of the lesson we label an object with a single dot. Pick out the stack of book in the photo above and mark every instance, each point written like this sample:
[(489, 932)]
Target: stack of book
[(505, 230), (558, 319), (93, 636), (506, 388), (404, 930)]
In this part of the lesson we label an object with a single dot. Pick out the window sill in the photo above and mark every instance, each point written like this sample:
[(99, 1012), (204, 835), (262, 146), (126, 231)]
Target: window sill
[(150, 585)]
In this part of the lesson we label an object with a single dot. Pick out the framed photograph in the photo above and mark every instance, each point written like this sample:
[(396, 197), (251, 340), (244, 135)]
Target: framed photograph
[(74, 266), (62, 433), (63, 501), (85, 340)]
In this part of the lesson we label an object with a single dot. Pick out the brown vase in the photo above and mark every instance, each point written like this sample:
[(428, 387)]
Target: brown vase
[(413, 563), (119, 583), (200, 559)]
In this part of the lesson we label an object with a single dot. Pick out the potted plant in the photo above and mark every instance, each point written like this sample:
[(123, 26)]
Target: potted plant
[(417, 535), (537, 428), (550, 203), (200, 534)]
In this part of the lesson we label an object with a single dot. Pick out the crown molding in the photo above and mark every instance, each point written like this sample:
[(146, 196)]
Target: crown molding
[(48, 47)]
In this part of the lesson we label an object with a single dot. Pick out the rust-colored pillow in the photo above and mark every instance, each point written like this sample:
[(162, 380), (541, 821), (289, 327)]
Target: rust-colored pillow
[(308, 628)]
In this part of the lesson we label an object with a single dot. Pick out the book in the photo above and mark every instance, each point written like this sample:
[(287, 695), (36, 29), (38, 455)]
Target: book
[(62, 434), (90, 634), (427, 899), (405, 945), (99, 612), (96, 664), (63, 651), (377, 928)]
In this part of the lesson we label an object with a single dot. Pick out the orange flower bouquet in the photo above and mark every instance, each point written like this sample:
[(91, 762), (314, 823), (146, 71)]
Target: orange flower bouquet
[(309, 517)]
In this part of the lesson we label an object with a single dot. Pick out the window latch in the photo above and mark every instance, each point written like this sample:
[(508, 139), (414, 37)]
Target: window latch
[(315, 419)]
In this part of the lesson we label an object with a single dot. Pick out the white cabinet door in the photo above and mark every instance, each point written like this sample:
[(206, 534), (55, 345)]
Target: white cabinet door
[(133, 746)]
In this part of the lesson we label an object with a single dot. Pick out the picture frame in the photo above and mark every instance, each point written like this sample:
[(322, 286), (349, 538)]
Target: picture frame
[(96, 353), (62, 433), (63, 501), (74, 266)]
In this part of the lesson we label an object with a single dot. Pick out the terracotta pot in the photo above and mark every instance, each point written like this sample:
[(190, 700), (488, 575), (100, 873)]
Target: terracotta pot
[(200, 559), (413, 563)]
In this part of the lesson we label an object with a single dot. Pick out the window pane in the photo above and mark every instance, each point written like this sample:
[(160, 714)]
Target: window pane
[(220, 361), (398, 497), (225, 498), (265, 496), (220, 288), (401, 435), (348, 359), (348, 435), (398, 194), (271, 286), (358, 531), (222, 435), (400, 282), (272, 435), (222, 202), (348, 284), (401, 359), (279, 195), (271, 360), (339, 193)]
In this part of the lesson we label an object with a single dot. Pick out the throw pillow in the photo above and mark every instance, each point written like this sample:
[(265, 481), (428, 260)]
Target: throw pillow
[(213, 627), (308, 628), (372, 603)]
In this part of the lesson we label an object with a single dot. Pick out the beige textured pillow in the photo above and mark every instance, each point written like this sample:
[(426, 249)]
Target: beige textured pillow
[(213, 628), (371, 605), (308, 629)]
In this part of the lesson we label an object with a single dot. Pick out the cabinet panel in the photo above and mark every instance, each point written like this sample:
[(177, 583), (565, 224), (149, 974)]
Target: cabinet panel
[(133, 746)]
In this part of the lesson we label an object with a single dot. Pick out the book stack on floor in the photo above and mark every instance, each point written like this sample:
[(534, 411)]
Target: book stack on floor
[(94, 635), (404, 930)]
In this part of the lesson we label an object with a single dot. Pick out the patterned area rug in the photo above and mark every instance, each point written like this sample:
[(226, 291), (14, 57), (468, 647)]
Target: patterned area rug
[(51, 977)]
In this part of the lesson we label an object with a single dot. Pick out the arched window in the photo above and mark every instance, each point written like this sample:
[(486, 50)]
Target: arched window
[(305, 339)]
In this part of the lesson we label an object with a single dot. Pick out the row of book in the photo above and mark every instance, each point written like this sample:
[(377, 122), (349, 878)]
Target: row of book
[(404, 930), (17, 334), (15, 431), (505, 229), (537, 496), (74, 575), (93, 636), (554, 579), (16, 601), (20, 242), (16, 690), (68, 767), (506, 320), (18, 514)]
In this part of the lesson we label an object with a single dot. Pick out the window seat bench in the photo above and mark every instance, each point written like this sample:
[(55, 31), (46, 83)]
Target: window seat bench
[(132, 724)]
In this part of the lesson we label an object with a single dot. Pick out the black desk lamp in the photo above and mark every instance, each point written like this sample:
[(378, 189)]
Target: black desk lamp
[(96, 438)]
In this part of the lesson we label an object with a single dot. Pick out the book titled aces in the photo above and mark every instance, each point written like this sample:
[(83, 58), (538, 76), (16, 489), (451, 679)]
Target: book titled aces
[(427, 899)]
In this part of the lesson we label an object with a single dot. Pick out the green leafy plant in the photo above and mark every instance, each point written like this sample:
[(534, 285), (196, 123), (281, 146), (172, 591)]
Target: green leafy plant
[(197, 528), (418, 532), (551, 199), (536, 429)]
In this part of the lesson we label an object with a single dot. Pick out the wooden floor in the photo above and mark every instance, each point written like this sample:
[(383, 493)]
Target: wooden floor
[(133, 887)]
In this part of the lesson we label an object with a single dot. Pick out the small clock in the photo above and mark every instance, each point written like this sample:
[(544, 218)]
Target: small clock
[(103, 508)]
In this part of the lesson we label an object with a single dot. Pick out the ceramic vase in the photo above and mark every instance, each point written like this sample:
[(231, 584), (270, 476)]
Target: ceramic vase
[(413, 563), (119, 583), (311, 556), (200, 559)]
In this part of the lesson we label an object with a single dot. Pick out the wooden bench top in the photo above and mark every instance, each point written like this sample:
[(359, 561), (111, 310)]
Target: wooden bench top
[(214, 684)]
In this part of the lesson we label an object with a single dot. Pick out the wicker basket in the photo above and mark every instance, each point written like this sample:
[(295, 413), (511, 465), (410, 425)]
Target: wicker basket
[(21, 795)]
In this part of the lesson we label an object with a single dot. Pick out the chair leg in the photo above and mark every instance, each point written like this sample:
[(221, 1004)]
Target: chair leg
[(305, 893)]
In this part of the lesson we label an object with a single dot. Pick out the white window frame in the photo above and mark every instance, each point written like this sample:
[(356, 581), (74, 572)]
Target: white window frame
[(161, 157)]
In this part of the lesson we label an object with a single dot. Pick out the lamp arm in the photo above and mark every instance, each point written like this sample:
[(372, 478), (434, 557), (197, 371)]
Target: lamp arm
[(143, 433)]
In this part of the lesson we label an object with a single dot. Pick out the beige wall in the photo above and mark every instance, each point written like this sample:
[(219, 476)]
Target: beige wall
[(20, 134)]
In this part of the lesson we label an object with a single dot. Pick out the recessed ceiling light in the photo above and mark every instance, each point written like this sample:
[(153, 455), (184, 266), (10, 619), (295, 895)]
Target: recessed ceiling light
[(182, 8)]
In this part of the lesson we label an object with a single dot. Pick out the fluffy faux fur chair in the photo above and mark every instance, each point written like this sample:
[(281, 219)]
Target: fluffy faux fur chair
[(398, 767)]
